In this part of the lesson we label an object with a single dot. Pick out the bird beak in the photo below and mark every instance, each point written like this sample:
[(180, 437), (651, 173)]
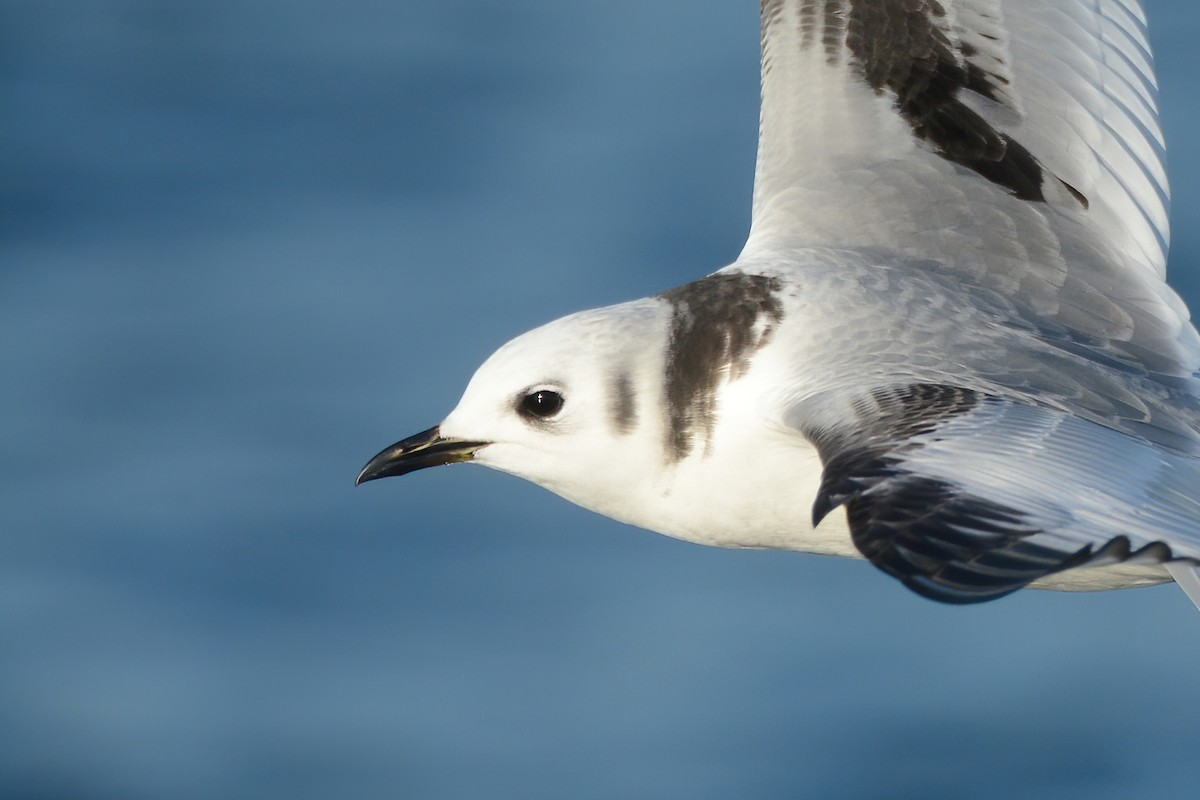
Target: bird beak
[(426, 449)]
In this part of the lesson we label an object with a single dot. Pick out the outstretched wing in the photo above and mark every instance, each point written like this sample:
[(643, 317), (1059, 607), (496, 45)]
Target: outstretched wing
[(1005, 154), (1043, 102), (1013, 141), (966, 497)]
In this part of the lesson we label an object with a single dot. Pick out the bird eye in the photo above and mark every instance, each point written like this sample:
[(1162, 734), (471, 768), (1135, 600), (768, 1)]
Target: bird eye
[(541, 404)]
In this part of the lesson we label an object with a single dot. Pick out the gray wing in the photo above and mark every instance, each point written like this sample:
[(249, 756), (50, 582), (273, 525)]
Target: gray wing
[(966, 497), (1015, 142), (1016, 395), (1045, 101)]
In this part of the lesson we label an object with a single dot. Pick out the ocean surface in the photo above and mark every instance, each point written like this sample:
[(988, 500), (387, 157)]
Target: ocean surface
[(244, 244)]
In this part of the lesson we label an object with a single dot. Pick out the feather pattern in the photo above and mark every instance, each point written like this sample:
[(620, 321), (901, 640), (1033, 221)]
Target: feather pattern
[(1016, 142), (984, 180), (966, 498)]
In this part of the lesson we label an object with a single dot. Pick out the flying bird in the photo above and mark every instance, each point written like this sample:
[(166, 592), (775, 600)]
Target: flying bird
[(947, 347)]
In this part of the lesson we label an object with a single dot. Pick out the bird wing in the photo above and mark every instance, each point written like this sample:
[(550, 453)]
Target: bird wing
[(1015, 393), (966, 497), (1013, 141)]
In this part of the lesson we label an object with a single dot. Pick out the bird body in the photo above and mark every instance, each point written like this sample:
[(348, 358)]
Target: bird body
[(947, 346)]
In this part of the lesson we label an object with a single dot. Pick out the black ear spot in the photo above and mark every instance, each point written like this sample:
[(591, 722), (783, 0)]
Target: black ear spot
[(540, 404)]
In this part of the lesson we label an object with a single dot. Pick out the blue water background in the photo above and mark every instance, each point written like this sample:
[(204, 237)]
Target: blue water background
[(246, 243)]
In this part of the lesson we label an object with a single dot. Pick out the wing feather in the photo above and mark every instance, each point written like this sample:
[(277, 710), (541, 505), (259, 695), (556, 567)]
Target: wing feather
[(1014, 142), (966, 498), (1065, 91), (999, 382)]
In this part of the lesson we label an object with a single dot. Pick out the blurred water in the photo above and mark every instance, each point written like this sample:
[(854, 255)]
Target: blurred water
[(246, 244)]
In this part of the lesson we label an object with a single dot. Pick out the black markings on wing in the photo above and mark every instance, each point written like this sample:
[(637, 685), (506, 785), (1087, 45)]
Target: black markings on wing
[(909, 49), (939, 539), (717, 324), (947, 545), (886, 423)]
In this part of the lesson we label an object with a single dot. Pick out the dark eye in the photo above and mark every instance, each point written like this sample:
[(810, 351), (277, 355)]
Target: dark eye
[(541, 404)]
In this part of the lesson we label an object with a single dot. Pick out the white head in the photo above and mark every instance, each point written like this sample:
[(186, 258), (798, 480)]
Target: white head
[(558, 406)]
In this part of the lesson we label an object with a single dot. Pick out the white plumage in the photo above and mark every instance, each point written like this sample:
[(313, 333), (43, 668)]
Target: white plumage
[(947, 345)]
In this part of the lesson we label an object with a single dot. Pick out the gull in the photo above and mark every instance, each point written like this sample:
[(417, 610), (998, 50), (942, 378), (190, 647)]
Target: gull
[(947, 347)]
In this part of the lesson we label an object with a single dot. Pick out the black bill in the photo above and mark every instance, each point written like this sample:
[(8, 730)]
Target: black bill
[(426, 449)]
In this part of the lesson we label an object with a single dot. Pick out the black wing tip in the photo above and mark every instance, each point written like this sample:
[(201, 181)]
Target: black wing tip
[(950, 546)]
